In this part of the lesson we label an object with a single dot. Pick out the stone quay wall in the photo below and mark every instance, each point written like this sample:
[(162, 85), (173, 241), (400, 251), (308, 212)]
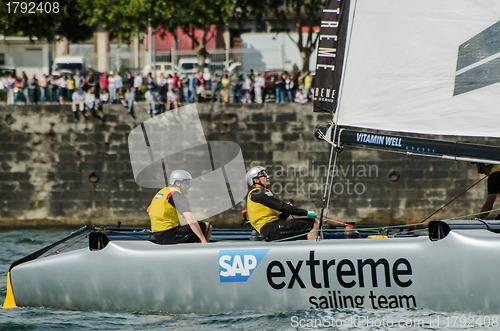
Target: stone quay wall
[(60, 171)]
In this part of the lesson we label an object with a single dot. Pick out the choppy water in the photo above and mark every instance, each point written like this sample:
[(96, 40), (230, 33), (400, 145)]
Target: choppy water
[(16, 244)]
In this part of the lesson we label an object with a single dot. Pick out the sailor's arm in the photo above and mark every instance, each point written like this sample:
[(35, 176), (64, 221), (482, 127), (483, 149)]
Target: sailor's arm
[(193, 224), (488, 205), (266, 198)]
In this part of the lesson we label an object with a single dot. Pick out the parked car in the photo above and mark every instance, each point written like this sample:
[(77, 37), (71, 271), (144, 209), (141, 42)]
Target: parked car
[(6, 70), (70, 65), (160, 67), (190, 64)]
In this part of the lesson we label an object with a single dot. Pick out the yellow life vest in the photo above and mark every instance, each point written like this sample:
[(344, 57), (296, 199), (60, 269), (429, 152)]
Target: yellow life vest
[(162, 214), (258, 214), (495, 169)]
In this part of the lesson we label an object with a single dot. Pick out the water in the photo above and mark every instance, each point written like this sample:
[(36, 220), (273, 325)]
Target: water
[(16, 244)]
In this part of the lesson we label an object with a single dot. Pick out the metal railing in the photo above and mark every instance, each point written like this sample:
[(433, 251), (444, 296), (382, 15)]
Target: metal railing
[(125, 60)]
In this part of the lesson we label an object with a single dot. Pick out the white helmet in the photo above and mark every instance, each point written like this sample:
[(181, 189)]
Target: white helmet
[(178, 175), (253, 173)]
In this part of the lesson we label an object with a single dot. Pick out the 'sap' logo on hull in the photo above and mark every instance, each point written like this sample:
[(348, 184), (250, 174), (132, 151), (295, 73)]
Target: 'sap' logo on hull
[(238, 265), (478, 63)]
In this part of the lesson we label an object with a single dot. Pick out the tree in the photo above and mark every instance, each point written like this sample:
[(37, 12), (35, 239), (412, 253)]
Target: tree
[(61, 21), (304, 13), (203, 15), (123, 19)]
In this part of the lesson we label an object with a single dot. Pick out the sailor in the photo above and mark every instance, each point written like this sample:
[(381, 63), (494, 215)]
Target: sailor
[(166, 208), (264, 211), (493, 173)]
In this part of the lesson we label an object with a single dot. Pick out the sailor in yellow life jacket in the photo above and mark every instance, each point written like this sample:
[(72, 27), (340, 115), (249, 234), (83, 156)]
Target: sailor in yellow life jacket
[(493, 173), (264, 211), (168, 206)]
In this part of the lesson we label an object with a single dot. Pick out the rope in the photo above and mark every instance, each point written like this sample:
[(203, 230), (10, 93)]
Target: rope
[(437, 211), (328, 219), (471, 215), (341, 230)]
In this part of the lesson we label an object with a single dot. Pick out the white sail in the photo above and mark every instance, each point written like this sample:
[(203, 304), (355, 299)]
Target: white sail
[(401, 72)]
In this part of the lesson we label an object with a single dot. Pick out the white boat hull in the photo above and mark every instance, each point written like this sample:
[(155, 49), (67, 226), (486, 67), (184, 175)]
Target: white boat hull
[(457, 273)]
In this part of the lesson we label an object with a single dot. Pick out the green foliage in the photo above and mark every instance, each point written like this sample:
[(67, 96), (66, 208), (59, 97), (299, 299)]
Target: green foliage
[(303, 13), (70, 21)]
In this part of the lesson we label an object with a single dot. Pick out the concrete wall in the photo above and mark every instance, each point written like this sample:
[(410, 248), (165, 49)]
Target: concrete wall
[(57, 170)]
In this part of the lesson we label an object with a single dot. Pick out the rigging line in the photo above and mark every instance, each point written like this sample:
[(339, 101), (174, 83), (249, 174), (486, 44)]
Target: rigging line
[(326, 186), (470, 215), (453, 199), (328, 219), (331, 183)]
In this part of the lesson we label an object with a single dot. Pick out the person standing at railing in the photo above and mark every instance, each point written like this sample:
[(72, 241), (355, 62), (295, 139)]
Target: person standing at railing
[(185, 87), (42, 84), (78, 81), (112, 87), (25, 88), (53, 88), (226, 86), (33, 86), (258, 84), (176, 86), (138, 87), (71, 87), (280, 88), (150, 102), (119, 86), (192, 87), (215, 83), (288, 86), (18, 90), (236, 83), (62, 91), (103, 81), (129, 81), (307, 78)]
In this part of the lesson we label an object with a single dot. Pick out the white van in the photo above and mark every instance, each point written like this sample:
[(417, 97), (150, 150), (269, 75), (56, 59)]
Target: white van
[(188, 65), (69, 65), (164, 68)]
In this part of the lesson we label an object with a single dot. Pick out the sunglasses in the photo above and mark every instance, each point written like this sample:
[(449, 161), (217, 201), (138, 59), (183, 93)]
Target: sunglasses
[(262, 174)]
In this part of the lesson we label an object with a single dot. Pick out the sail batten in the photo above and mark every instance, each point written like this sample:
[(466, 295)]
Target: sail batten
[(427, 67)]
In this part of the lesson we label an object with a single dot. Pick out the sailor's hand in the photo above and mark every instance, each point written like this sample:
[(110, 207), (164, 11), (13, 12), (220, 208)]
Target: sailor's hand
[(311, 214)]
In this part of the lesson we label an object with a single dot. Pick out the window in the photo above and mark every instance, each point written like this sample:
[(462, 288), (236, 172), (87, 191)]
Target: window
[(2, 59)]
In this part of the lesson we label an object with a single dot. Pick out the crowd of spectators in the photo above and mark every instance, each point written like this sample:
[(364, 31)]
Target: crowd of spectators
[(253, 87), (160, 95)]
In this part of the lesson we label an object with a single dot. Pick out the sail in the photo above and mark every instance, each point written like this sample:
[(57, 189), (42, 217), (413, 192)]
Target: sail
[(331, 45), (423, 66)]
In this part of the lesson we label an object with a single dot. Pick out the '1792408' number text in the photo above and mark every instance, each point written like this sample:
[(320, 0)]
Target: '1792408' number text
[(33, 8)]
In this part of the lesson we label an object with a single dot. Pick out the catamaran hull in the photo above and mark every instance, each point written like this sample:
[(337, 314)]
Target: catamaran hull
[(457, 273)]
